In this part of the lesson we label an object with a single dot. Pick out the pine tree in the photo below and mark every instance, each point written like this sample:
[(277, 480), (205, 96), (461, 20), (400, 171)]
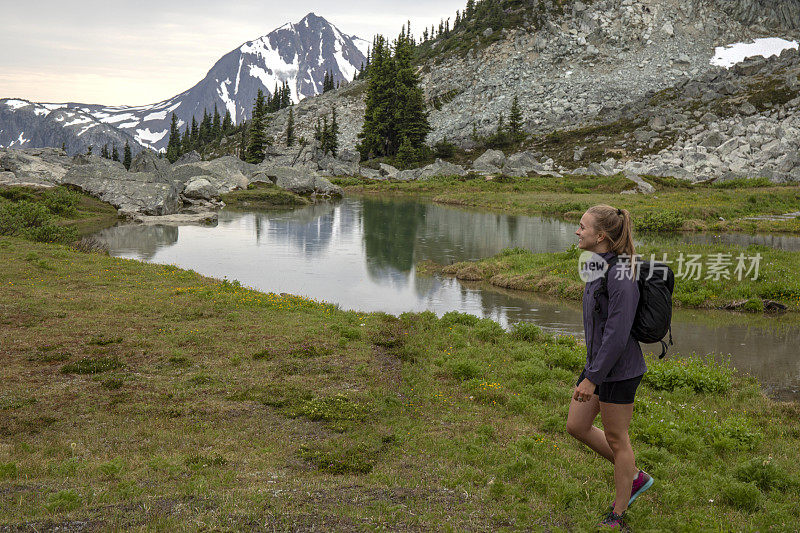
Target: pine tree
[(501, 127), (318, 133), (64, 146), (290, 128), (406, 155), (515, 119), (174, 143), (333, 135), (227, 123), (286, 95), (216, 125), (104, 152), (378, 137), (126, 158), (411, 118), (470, 10), (195, 134), (243, 142), (186, 141), (205, 127), (257, 138), (89, 150), (115, 153)]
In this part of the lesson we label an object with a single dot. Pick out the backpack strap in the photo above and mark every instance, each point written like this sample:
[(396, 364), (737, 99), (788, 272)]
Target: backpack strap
[(664, 344), (603, 288)]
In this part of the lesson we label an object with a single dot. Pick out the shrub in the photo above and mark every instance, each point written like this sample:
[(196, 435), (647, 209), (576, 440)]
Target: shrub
[(339, 461), (444, 149), (659, 221), (701, 376), (526, 331), (464, 369), (91, 245), (33, 222), (454, 317), (60, 201), (489, 331)]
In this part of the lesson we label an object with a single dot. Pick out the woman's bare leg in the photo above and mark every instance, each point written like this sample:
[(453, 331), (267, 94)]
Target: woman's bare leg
[(580, 424), (616, 421)]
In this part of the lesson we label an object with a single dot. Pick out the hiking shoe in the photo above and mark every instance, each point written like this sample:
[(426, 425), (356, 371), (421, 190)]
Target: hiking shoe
[(642, 482), (613, 522)]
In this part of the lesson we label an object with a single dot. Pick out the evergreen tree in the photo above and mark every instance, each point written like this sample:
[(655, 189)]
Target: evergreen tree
[(195, 134), (243, 142), (186, 141), (318, 133), (174, 143), (411, 118), (333, 135), (216, 125), (378, 137), (104, 152), (290, 128), (501, 127), (257, 139), (406, 155), (205, 128), (227, 123), (126, 158), (515, 119), (64, 146), (286, 95), (115, 153), (89, 150), (470, 10)]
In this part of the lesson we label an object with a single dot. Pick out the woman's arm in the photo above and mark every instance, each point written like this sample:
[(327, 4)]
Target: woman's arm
[(623, 298)]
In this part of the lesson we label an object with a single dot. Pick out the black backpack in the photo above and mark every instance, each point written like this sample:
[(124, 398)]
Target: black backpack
[(654, 313)]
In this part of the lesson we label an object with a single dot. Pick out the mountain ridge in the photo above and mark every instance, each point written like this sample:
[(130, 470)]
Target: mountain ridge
[(298, 53)]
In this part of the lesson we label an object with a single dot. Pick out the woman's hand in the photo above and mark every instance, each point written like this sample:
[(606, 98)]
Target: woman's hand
[(584, 391)]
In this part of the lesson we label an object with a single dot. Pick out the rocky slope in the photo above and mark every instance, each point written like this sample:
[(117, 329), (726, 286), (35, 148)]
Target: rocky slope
[(299, 54), (598, 57)]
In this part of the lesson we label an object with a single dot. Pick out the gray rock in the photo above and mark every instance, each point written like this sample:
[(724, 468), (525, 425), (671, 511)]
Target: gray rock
[(642, 135), (487, 32), (657, 123), (148, 161), (130, 192), (408, 175), (201, 189), (189, 157), (38, 166), (225, 173), (349, 156), (641, 185), (388, 171), (748, 109), (520, 163), (713, 140), (302, 182), (441, 168), (492, 160)]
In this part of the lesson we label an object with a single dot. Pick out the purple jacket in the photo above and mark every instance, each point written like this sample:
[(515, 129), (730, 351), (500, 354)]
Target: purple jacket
[(612, 354)]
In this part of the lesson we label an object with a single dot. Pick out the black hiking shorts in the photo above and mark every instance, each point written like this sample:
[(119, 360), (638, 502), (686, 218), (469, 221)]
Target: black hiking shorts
[(621, 392)]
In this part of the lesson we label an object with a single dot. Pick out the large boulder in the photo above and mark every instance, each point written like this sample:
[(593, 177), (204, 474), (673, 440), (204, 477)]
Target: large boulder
[(189, 157), (35, 166), (200, 189), (338, 167), (490, 161), (225, 173), (130, 192), (521, 163), (301, 181), (388, 171), (441, 168), (148, 161)]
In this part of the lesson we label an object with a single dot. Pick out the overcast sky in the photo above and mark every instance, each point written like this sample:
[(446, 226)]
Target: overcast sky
[(134, 53)]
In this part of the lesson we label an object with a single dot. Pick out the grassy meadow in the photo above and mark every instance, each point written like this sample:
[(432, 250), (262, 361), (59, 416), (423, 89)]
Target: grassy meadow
[(138, 396)]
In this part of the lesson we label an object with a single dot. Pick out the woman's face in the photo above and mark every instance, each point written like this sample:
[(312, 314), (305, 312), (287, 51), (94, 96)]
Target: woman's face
[(588, 237)]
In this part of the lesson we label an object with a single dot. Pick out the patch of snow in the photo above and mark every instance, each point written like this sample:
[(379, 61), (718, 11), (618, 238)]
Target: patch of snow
[(147, 136), (118, 118), (129, 124), (16, 104), (270, 58), (729, 55), (238, 75), (41, 111), (87, 128), (362, 45), (173, 107), (230, 105), (21, 140), (80, 120), (158, 115), (53, 107)]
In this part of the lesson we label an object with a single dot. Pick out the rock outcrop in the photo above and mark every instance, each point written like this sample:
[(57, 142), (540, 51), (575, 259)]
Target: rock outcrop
[(130, 192)]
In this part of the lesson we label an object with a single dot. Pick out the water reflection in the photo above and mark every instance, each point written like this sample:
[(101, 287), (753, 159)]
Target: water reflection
[(360, 254)]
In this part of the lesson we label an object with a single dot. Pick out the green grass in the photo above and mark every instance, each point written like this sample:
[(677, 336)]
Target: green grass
[(263, 195), (557, 274), (675, 206), (399, 423)]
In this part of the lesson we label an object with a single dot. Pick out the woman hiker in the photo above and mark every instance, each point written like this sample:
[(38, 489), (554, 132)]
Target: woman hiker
[(614, 361)]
